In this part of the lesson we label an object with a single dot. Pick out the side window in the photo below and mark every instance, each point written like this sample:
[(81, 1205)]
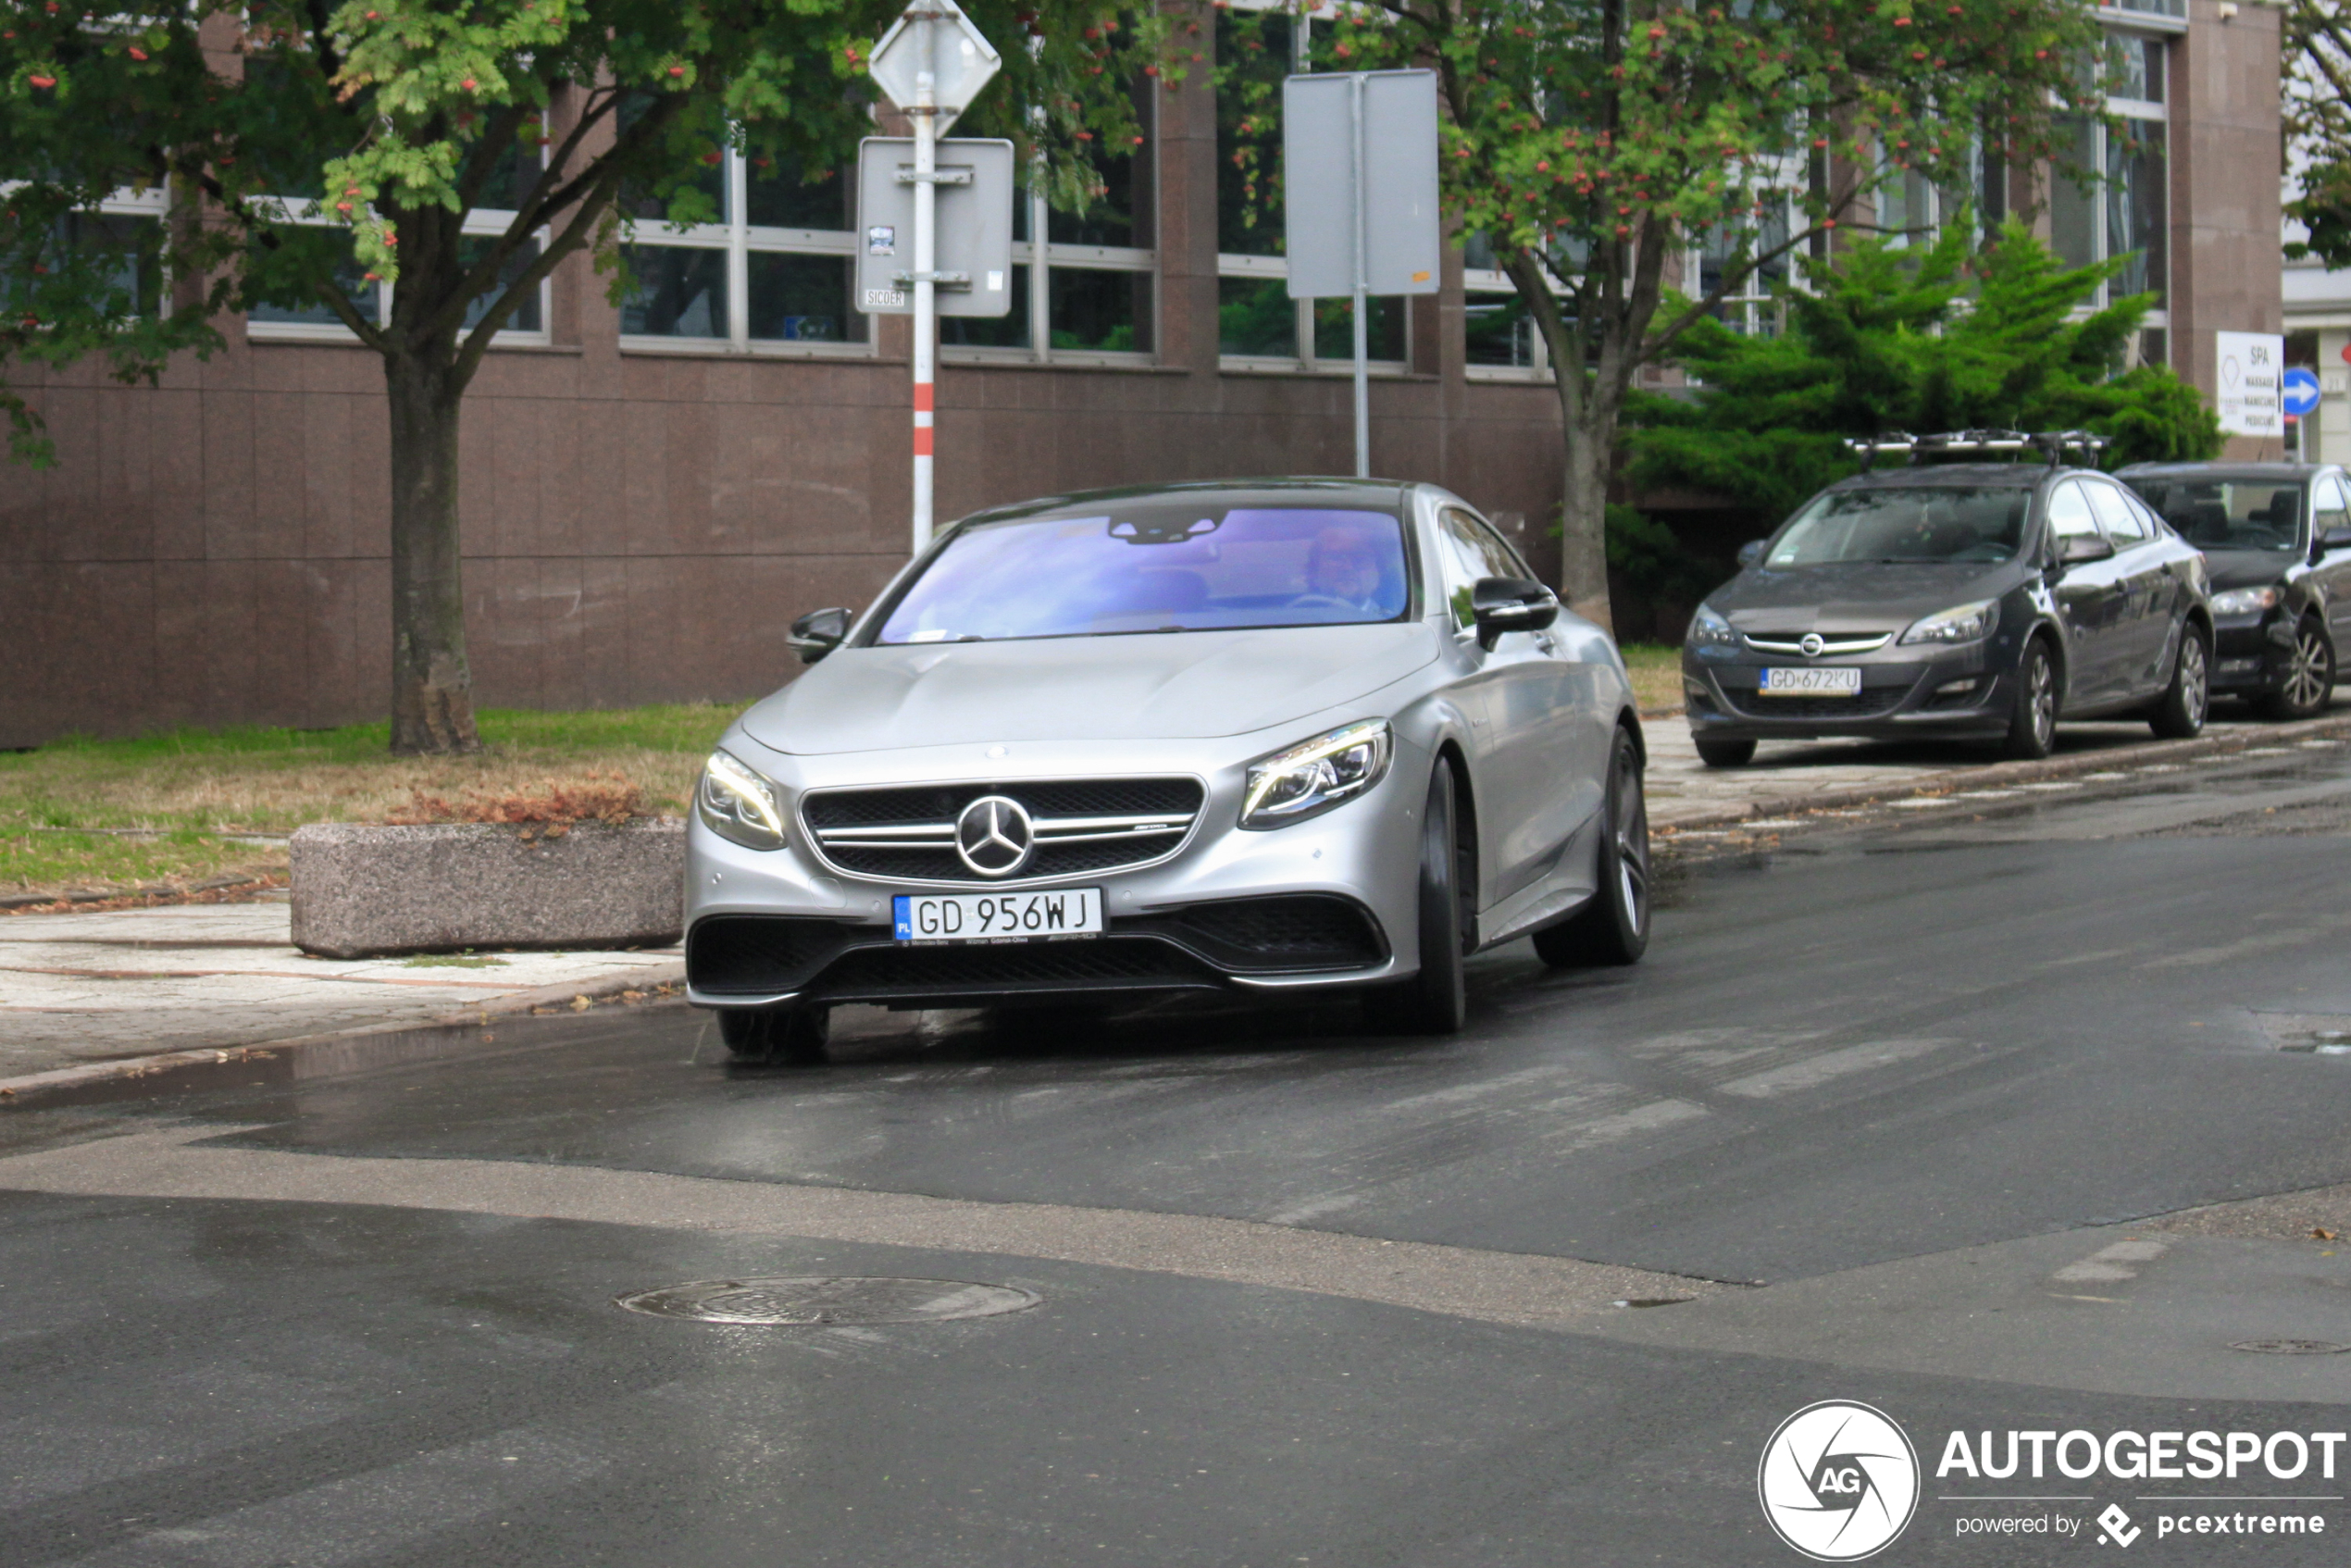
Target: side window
[(2121, 521), (2068, 513), (1472, 551), (2329, 506)]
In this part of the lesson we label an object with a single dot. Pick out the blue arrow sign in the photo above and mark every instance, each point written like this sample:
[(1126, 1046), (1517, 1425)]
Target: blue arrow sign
[(2301, 392)]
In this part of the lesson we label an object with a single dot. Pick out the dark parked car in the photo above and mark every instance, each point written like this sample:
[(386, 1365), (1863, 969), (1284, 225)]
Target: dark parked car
[(2276, 538), (1954, 598)]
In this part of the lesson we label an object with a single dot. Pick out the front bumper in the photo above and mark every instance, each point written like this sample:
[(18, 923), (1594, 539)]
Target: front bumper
[(1905, 693), (1329, 902), (2251, 656)]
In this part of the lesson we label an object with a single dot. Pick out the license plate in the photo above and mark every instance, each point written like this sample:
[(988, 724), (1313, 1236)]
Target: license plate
[(1810, 682), (998, 917)]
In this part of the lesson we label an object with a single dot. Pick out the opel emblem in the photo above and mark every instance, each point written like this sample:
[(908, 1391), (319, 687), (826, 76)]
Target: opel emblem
[(994, 836), (1811, 645)]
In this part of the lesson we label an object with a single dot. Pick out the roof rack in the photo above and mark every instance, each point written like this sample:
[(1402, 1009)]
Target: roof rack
[(1950, 445)]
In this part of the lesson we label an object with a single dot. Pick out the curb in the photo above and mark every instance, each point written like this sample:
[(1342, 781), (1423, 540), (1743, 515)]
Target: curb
[(2016, 773), (18, 1090)]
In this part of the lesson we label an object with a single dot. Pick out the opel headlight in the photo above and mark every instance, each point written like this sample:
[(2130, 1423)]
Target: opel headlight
[(1312, 776), (738, 805), (2245, 601), (1961, 623), (1709, 629)]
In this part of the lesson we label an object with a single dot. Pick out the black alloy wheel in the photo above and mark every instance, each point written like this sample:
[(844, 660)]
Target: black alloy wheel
[(1614, 927), (2179, 715), (1436, 1000), (2032, 719), (1725, 753), (2308, 686), (795, 1037)]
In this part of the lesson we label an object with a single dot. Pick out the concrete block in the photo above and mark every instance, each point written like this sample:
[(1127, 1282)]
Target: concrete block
[(361, 890)]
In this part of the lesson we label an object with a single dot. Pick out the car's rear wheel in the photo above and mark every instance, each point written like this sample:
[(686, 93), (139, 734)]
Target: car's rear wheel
[(794, 1036), (1725, 753), (2310, 676), (1436, 1000), (2181, 713), (2032, 719), (1613, 928)]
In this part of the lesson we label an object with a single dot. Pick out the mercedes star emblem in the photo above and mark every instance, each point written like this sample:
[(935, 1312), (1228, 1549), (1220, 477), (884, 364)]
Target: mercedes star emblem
[(994, 836), (1811, 645)]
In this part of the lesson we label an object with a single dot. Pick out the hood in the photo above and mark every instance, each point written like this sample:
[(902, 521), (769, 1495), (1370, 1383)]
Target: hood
[(1854, 596), (2248, 568), (1165, 686)]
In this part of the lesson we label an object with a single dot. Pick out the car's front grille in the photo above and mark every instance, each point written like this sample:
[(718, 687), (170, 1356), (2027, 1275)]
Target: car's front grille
[(1793, 642), (1081, 826), (1872, 703), (1107, 964)]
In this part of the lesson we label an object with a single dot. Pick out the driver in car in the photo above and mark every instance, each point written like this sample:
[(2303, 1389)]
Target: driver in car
[(1342, 572)]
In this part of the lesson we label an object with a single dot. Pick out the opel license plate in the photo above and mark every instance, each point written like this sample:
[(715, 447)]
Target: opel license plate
[(1810, 682), (998, 917)]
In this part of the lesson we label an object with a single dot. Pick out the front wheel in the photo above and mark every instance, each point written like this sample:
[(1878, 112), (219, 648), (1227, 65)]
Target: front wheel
[(1725, 753), (2309, 677), (1613, 928), (795, 1036), (1436, 1000), (2033, 721), (2179, 715)]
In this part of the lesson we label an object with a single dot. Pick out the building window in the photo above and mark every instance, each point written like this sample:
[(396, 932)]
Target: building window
[(773, 273), (2125, 212), (1259, 326), (1093, 280), (127, 229), (1753, 307)]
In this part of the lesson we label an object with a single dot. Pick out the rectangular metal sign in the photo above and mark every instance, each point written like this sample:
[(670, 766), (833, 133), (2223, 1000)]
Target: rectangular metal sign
[(2249, 382), (1389, 153), (975, 224)]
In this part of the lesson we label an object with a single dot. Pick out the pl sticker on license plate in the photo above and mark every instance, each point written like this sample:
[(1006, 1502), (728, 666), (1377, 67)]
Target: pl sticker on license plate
[(998, 917), (1812, 683)]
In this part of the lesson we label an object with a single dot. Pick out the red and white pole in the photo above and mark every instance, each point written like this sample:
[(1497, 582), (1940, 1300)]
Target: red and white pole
[(926, 118)]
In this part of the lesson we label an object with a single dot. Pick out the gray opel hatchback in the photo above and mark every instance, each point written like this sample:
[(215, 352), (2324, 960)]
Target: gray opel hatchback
[(1964, 600)]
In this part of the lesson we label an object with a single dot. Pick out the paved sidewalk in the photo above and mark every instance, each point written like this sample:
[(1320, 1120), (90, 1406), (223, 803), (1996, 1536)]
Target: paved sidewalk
[(1793, 775), (79, 988)]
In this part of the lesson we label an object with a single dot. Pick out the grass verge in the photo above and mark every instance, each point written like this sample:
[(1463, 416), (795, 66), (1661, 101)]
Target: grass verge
[(167, 809), (1656, 669)]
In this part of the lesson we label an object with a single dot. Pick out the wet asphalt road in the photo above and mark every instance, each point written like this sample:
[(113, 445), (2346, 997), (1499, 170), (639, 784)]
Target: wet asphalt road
[(1901, 1079)]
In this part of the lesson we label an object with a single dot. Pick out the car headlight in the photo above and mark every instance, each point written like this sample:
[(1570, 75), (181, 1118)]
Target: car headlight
[(1709, 629), (2245, 601), (1314, 775), (738, 805), (1961, 623)]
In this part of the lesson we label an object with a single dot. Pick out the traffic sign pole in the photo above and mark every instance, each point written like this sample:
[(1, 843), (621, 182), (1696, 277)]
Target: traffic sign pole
[(923, 111), (1363, 324)]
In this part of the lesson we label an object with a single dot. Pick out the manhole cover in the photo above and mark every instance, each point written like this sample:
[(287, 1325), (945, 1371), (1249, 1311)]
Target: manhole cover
[(816, 1300), (2290, 1347)]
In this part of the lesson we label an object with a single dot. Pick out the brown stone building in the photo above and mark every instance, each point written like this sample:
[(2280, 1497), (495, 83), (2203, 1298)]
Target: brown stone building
[(655, 489)]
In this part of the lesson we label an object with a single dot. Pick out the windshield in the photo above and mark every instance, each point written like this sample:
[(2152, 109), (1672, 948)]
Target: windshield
[(1181, 566), (2228, 514), (1908, 523)]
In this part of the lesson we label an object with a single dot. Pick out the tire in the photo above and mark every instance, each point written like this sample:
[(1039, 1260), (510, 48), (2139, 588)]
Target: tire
[(2032, 718), (1614, 927), (2181, 714), (1725, 753), (2309, 677), (794, 1036), (1436, 1000)]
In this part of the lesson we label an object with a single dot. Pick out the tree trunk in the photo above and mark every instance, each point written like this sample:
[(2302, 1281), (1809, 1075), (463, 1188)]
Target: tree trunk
[(1590, 433), (432, 698)]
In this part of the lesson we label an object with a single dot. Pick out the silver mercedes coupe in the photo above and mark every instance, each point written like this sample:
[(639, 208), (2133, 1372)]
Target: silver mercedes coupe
[(1267, 737)]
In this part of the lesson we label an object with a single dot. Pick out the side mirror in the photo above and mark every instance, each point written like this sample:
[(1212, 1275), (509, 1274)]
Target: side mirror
[(817, 633), (1752, 551), (2078, 548), (1500, 605)]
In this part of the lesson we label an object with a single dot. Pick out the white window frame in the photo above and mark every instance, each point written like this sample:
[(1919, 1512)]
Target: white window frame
[(2144, 27), (1042, 256), (124, 202), (478, 225), (1481, 282), (740, 237)]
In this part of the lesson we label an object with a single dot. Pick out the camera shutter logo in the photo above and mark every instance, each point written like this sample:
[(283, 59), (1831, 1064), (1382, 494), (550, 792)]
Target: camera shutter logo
[(1839, 1481)]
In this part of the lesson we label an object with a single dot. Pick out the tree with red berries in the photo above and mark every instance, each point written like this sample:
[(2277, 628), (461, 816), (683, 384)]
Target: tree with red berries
[(1594, 143), (389, 122)]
